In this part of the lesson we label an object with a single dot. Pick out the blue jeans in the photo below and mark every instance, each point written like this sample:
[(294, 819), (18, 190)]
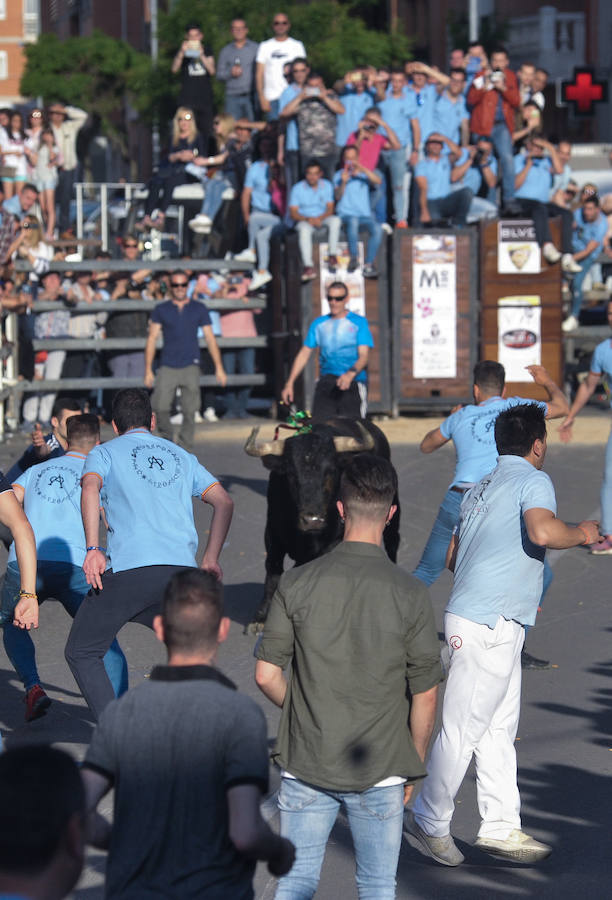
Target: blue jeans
[(502, 141), (397, 167), (243, 361), (213, 193), (378, 198), (307, 816), (606, 492), (261, 226), (578, 281), (66, 583), (240, 106), (352, 225), (433, 559)]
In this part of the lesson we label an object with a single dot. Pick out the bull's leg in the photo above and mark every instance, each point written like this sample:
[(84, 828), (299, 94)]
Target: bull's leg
[(391, 534), (275, 556)]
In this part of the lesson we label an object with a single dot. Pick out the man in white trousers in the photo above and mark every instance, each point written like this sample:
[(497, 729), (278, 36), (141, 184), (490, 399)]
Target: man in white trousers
[(506, 523)]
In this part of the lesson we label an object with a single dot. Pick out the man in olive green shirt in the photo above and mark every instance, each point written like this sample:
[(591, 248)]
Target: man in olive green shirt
[(358, 630)]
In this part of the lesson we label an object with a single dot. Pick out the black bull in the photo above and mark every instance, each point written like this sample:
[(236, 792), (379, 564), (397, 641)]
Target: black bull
[(302, 520)]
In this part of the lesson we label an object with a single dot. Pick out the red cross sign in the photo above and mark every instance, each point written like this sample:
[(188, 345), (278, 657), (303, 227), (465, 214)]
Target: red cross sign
[(584, 91)]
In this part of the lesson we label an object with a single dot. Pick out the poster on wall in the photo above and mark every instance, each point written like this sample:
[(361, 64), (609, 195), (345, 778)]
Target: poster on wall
[(353, 280), (434, 306), (519, 337), (518, 252)]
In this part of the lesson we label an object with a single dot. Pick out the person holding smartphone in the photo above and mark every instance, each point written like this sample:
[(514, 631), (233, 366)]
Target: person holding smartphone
[(195, 62)]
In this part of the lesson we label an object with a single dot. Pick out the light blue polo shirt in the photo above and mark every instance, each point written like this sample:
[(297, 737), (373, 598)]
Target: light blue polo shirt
[(425, 103), (311, 201), (437, 172), (257, 178), (448, 116), (498, 571), (146, 488), (601, 361), (538, 182), (338, 340), (472, 428), (398, 112), (52, 503), (355, 200), (473, 176), (355, 106), (585, 232), (291, 132)]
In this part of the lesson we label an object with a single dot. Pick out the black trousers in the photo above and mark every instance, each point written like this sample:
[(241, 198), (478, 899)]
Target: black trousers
[(541, 213), (63, 196), (330, 400), (133, 595)]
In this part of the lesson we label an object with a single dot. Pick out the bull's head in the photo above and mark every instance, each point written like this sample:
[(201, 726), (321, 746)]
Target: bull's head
[(310, 464)]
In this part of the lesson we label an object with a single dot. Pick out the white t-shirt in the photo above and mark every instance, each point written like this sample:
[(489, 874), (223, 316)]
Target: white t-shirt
[(274, 54)]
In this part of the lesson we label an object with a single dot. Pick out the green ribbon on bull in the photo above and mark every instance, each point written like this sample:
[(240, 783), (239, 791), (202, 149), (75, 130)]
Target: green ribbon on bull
[(300, 421)]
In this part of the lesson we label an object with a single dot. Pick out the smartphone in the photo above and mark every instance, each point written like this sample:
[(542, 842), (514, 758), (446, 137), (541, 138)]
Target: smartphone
[(312, 91)]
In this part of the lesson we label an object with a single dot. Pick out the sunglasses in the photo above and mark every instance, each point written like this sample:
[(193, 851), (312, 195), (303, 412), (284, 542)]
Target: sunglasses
[(178, 284), (332, 299)]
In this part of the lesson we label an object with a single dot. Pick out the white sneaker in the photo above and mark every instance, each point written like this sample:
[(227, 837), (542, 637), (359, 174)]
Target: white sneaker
[(210, 415), (550, 253), (197, 418), (386, 228), (259, 279), (518, 846), (569, 264), (569, 324), (247, 255), (200, 223), (228, 194), (176, 419)]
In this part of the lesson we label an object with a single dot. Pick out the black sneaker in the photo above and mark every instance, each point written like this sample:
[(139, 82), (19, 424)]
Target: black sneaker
[(532, 662), (353, 264), (369, 271)]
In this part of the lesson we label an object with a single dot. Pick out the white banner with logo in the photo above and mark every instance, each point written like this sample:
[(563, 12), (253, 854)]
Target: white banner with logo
[(518, 252), (353, 280), (434, 306), (519, 333)]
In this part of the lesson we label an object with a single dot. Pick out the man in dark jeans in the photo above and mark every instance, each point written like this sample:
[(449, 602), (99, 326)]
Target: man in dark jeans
[(434, 176)]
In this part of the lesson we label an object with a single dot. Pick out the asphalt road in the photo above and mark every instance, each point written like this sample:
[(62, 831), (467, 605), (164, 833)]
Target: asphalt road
[(564, 743)]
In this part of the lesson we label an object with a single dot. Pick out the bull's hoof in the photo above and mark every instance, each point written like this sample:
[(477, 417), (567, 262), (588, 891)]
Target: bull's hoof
[(254, 628)]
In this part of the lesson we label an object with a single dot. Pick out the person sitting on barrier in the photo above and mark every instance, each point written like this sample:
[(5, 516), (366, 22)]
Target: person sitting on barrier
[(263, 205), (590, 230), (352, 186), (30, 245), (434, 176), (186, 145), (21, 204), (48, 363), (532, 184), (311, 206), (478, 168)]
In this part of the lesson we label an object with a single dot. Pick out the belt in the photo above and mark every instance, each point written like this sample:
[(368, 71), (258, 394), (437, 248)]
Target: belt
[(459, 490)]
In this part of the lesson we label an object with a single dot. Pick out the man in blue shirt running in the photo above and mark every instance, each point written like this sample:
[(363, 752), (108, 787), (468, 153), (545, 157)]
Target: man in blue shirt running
[(145, 486), (343, 339), (51, 497)]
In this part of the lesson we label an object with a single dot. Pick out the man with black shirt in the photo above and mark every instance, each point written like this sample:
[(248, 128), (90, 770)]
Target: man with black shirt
[(179, 319), (196, 64)]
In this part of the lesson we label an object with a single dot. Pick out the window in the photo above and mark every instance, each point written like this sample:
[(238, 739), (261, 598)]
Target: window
[(3, 64), (2, 9)]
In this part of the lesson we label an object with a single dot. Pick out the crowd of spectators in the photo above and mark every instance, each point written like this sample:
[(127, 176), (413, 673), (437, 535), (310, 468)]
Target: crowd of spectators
[(378, 150)]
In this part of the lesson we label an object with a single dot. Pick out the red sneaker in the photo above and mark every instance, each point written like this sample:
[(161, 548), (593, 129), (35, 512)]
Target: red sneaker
[(401, 224), (37, 703)]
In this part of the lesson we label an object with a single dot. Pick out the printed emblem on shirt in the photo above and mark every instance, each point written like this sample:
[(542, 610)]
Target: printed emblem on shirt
[(156, 464), (483, 427), (56, 484)]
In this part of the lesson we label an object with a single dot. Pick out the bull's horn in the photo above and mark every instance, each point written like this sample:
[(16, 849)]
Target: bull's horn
[(345, 444), (265, 448)]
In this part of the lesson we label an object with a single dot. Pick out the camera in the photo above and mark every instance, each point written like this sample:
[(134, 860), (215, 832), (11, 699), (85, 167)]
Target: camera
[(497, 76), (478, 158), (193, 49)]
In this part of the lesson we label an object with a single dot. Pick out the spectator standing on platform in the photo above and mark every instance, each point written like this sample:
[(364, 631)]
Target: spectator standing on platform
[(424, 93), (316, 110), (506, 523), (494, 98), (532, 185), (187, 719), (398, 108), (344, 340), (588, 236), (289, 142), (48, 163), (272, 56), (451, 116), (126, 324), (145, 485), (13, 152), (50, 494), (352, 184), (236, 67), (196, 63), (55, 324), (361, 741), (311, 207), (356, 99), (42, 821), (66, 122), (178, 320), (434, 176)]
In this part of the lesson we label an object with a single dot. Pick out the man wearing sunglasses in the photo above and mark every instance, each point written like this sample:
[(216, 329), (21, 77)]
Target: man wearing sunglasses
[(271, 59), (344, 340), (179, 319)]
